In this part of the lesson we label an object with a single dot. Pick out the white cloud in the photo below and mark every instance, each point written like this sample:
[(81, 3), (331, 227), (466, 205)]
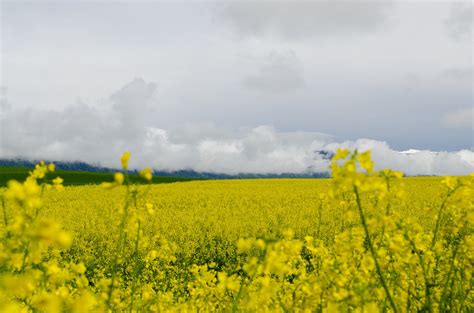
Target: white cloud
[(298, 19), (277, 73), (460, 21), (346, 73), (126, 121), (415, 162), (462, 118)]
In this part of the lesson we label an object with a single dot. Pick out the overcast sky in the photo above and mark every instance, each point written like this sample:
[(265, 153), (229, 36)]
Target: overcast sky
[(236, 85)]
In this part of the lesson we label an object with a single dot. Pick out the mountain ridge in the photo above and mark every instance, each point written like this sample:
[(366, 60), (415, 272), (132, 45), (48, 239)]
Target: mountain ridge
[(183, 173)]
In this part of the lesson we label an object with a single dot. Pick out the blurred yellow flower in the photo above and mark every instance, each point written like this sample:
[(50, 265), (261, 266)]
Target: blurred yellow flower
[(124, 159)]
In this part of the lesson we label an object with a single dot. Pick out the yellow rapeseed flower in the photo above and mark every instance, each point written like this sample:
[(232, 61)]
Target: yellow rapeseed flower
[(51, 167), (119, 178), (146, 173), (359, 242), (124, 159), (58, 183)]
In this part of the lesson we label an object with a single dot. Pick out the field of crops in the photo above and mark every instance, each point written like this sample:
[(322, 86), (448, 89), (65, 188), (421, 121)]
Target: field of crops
[(364, 241)]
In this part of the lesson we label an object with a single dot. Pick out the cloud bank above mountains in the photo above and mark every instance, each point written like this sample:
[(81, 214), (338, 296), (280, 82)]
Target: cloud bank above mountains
[(129, 120), (393, 70)]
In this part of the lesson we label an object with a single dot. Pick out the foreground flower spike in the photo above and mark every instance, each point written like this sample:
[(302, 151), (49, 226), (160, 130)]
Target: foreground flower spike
[(124, 159), (147, 174), (51, 167), (40, 171), (58, 183), (34, 277), (119, 178)]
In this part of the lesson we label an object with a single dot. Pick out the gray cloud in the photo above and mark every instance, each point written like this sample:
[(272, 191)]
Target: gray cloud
[(460, 21), (346, 74), (3, 100), (462, 74), (276, 73), (80, 130), (299, 19), (125, 121), (462, 118)]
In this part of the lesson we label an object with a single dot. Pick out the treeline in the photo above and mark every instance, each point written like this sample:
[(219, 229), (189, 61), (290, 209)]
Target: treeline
[(185, 173)]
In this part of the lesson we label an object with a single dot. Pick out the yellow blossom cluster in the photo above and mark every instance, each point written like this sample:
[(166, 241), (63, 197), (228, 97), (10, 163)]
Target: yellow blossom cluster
[(365, 240)]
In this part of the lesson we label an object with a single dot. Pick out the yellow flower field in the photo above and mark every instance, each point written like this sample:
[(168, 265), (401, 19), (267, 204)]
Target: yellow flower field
[(363, 241)]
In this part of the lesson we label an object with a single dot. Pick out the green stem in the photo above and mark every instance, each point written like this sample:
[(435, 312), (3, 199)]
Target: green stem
[(440, 212), (425, 273), (26, 251), (235, 301), (319, 219), (5, 218), (448, 277), (120, 247), (387, 209), (372, 251), (135, 274)]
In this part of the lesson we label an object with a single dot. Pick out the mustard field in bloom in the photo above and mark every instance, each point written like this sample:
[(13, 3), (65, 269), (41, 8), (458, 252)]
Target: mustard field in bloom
[(363, 241)]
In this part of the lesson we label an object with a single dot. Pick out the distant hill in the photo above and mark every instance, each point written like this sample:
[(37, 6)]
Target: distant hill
[(79, 177), (8, 166), (210, 175), (67, 166)]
